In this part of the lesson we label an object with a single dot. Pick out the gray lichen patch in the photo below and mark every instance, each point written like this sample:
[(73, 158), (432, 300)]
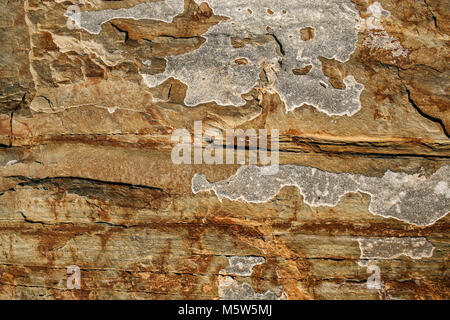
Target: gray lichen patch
[(230, 289), (391, 248), (414, 199), (212, 75), (242, 266), (92, 21)]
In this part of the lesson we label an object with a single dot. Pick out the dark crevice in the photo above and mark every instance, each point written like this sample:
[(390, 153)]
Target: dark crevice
[(50, 103), (113, 225), (176, 38), (435, 21), (415, 106), (11, 129), (266, 76), (34, 181), (41, 222), (280, 45), (387, 155), (329, 258), (170, 92), (31, 221), (376, 155), (427, 116), (432, 14), (121, 31)]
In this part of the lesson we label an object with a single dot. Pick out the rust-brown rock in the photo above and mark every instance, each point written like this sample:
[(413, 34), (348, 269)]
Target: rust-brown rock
[(86, 176)]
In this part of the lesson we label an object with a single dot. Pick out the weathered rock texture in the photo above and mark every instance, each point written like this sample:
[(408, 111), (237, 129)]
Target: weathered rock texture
[(359, 91)]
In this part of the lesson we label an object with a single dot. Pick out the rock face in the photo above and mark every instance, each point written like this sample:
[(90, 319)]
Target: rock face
[(92, 92)]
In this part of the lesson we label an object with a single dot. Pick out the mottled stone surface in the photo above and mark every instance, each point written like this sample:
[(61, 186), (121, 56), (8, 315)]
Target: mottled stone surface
[(357, 89), (391, 248)]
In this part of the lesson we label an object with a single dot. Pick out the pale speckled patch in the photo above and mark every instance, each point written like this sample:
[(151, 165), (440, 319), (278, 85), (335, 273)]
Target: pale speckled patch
[(231, 289), (442, 189), (242, 266), (92, 21), (413, 198), (212, 75), (391, 248)]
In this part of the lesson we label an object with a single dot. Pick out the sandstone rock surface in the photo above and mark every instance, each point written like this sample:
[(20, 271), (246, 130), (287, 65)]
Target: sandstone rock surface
[(358, 91)]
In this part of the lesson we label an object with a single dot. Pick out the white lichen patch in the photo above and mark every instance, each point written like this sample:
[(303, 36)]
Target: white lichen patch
[(231, 289), (391, 248), (410, 198), (212, 74), (442, 189), (377, 37), (92, 21), (242, 266)]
